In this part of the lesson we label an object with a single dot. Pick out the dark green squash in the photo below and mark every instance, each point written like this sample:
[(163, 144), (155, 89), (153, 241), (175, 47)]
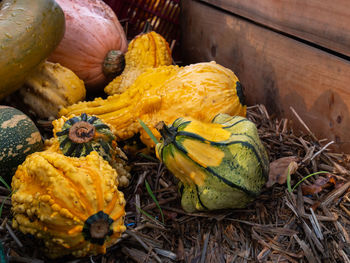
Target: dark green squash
[(30, 31), (220, 165), (19, 137)]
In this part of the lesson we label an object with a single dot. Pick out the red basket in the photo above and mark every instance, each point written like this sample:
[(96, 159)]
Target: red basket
[(163, 15)]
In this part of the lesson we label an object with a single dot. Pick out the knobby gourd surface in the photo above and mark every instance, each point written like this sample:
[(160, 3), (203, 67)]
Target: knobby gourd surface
[(80, 135), (148, 50), (72, 204), (50, 88), (200, 91)]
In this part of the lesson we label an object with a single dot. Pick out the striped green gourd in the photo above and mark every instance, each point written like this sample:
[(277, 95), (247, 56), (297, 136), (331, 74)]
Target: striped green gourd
[(80, 135), (221, 165)]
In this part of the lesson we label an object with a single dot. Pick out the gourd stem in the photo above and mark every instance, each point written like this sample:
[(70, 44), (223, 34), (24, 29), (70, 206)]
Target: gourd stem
[(99, 229), (168, 133), (147, 28), (81, 132), (113, 64)]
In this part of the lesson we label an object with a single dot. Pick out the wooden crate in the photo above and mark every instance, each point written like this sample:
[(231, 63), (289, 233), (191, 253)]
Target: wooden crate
[(290, 53)]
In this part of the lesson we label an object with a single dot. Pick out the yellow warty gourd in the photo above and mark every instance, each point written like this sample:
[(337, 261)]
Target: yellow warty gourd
[(79, 135), (149, 50), (72, 204), (50, 88), (200, 91)]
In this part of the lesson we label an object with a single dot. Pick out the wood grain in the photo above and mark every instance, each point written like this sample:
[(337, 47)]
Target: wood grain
[(322, 22), (275, 70)]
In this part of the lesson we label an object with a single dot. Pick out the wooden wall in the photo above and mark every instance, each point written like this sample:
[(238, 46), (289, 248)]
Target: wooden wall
[(269, 50), (322, 22)]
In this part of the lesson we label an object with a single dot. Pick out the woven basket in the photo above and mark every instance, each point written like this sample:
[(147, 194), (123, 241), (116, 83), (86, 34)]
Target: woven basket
[(163, 16)]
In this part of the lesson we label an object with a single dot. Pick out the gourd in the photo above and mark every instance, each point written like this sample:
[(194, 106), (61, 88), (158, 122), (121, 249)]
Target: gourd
[(72, 204), (94, 43), (47, 90), (19, 137), (30, 31), (221, 165), (200, 91), (78, 136), (147, 50)]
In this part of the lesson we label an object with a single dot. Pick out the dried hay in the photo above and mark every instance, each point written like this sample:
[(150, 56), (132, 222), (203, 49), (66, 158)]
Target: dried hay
[(278, 226)]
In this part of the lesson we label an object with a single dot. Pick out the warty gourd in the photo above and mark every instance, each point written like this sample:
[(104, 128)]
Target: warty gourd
[(147, 50), (200, 91), (78, 136), (72, 204), (48, 89)]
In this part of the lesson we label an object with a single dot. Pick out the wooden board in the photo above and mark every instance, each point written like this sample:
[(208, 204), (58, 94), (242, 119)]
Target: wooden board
[(325, 23), (275, 70)]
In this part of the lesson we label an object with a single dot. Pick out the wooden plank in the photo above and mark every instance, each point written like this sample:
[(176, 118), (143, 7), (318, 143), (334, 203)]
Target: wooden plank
[(325, 23), (275, 70)]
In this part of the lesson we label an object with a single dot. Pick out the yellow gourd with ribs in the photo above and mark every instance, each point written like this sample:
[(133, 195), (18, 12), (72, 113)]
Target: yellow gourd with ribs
[(73, 204), (79, 135), (147, 50), (48, 89)]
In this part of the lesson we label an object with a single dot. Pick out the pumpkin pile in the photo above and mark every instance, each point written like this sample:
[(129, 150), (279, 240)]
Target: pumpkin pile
[(65, 187)]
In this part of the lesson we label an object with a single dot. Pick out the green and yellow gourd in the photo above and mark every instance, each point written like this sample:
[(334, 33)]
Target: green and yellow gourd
[(221, 165), (78, 136)]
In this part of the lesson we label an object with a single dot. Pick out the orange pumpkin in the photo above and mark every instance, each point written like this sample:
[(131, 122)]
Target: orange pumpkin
[(94, 43)]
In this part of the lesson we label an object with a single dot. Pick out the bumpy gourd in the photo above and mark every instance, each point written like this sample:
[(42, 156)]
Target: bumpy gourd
[(220, 165), (80, 135), (200, 91), (72, 204), (148, 50), (50, 88)]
